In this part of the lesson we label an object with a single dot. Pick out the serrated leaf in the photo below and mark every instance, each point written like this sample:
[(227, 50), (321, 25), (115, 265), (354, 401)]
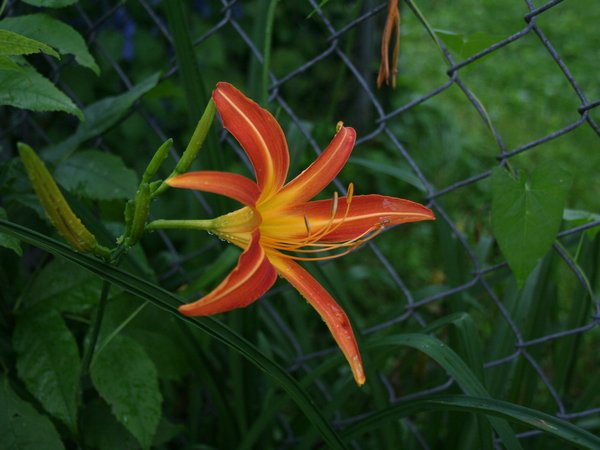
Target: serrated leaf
[(63, 286), (6, 63), (12, 43), (48, 363), (526, 214), (100, 429), (126, 379), (97, 175), (7, 241), (50, 3), (21, 426), (27, 89), (100, 116), (59, 35)]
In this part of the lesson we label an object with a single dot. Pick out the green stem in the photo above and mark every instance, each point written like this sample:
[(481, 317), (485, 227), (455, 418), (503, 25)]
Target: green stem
[(267, 51), (162, 224), (117, 330), (193, 147), (87, 357)]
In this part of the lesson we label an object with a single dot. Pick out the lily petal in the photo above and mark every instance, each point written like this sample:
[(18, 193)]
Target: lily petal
[(366, 212), (258, 133), (231, 185), (333, 315), (253, 276), (320, 173)]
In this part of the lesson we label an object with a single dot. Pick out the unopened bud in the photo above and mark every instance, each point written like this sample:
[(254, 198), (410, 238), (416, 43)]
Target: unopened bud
[(56, 207)]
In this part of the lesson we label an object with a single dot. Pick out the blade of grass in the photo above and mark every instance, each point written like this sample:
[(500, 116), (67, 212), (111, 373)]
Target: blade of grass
[(469, 347), (169, 302), (536, 419), (455, 367), (193, 84), (568, 351), (267, 51)]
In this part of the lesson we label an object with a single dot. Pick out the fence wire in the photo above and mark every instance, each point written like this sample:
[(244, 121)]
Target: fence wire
[(381, 117)]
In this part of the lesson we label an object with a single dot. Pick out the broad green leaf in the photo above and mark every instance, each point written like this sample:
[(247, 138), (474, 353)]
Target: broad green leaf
[(50, 3), (466, 45), (63, 286), (21, 426), (27, 89), (169, 302), (8, 241), (48, 363), (7, 63), (59, 35), (99, 117), (12, 43), (526, 214), (96, 175), (101, 430), (526, 416), (127, 380)]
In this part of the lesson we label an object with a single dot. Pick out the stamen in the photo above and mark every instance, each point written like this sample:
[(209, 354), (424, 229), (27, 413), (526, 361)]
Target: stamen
[(307, 225), (311, 244)]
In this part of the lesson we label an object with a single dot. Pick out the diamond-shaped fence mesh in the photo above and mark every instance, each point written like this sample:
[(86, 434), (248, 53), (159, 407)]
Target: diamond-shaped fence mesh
[(465, 86)]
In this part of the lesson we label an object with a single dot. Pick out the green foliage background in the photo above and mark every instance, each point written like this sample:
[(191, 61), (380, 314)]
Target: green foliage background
[(519, 342)]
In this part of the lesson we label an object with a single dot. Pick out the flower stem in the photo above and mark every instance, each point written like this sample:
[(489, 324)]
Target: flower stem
[(161, 224), (87, 357)]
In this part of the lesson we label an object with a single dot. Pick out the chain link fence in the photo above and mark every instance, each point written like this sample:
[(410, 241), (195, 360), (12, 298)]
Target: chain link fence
[(378, 123)]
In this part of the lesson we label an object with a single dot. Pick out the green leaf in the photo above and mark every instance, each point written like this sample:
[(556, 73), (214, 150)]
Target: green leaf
[(99, 117), (579, 217), (467, 44), (8, 241), (7, 63), (48, 363), (170, 302), (101, 430), (50, 3), (12, 43), (27, 89), (63, 286), (455, 366), (536, 419), (526, 214), (59, 35), (97, 175), (126, 378), (21, 426)]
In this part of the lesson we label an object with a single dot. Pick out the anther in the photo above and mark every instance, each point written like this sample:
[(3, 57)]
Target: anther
[(307, 225)]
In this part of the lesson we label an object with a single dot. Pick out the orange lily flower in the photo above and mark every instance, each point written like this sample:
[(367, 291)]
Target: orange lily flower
[(278, 224)]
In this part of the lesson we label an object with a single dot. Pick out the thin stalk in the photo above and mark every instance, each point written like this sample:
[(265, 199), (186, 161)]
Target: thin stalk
[(87, 357), (267, 51), (164, 224)]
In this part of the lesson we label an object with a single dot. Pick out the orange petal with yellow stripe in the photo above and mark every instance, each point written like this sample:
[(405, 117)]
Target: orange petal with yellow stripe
[(332, 313), (366, 213), (228, 184), (258, 133), (253, 276), (320, 173)]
